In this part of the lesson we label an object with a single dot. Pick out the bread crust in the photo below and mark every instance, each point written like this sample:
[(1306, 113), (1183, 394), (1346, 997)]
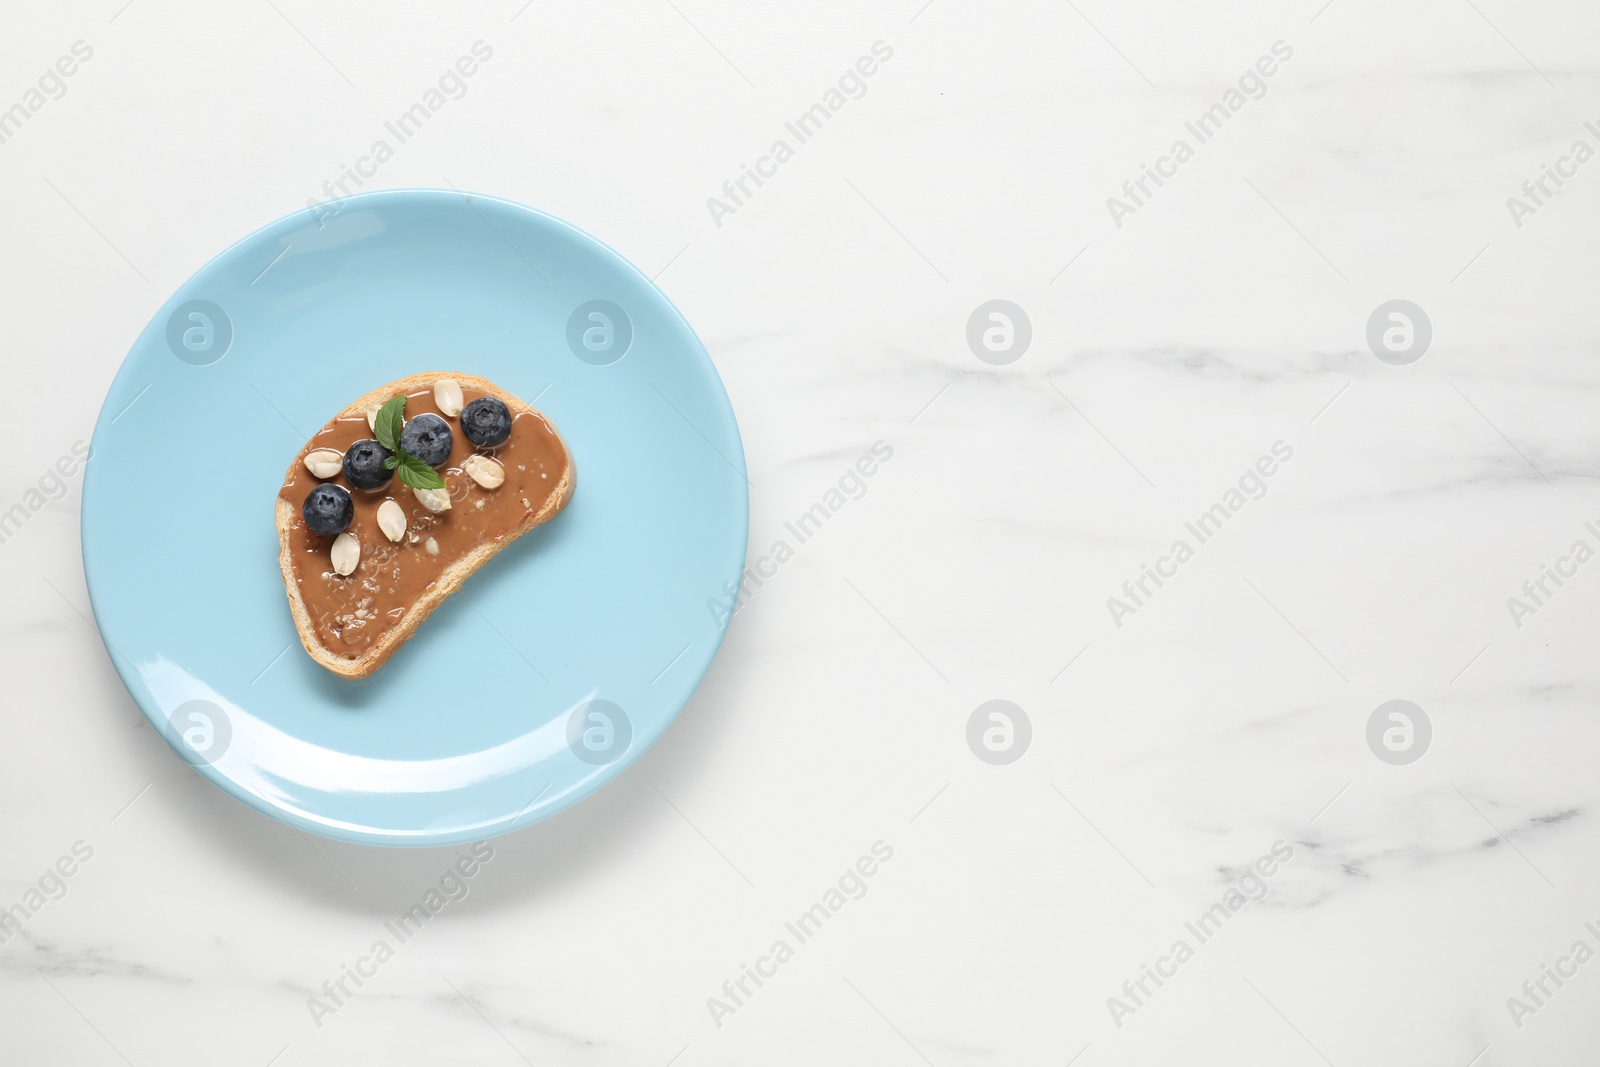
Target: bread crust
[(453, 576)]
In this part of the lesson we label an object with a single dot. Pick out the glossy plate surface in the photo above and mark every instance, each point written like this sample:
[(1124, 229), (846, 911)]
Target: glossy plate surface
[(558, 662)]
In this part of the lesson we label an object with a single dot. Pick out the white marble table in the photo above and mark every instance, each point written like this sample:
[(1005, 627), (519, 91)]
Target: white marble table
[(1015, 911)]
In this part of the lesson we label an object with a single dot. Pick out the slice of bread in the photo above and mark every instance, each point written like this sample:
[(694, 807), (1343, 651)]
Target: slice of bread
[(293, 535)]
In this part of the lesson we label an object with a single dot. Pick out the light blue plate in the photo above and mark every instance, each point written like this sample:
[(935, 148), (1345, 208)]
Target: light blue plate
[(559, 662)]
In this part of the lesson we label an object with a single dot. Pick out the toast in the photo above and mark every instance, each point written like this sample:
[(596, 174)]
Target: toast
[(354, 606)]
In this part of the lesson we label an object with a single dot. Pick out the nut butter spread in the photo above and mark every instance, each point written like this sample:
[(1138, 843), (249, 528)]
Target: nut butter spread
[(352, 611)]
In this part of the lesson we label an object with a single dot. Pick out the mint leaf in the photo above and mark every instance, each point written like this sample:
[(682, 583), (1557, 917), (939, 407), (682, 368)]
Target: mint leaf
[(417, 474), (390, 421), (386, 427)]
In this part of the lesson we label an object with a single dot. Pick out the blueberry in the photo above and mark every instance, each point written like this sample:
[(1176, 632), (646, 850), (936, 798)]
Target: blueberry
[(328, 509), (428, 438), (486, 422), (363, 465)]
